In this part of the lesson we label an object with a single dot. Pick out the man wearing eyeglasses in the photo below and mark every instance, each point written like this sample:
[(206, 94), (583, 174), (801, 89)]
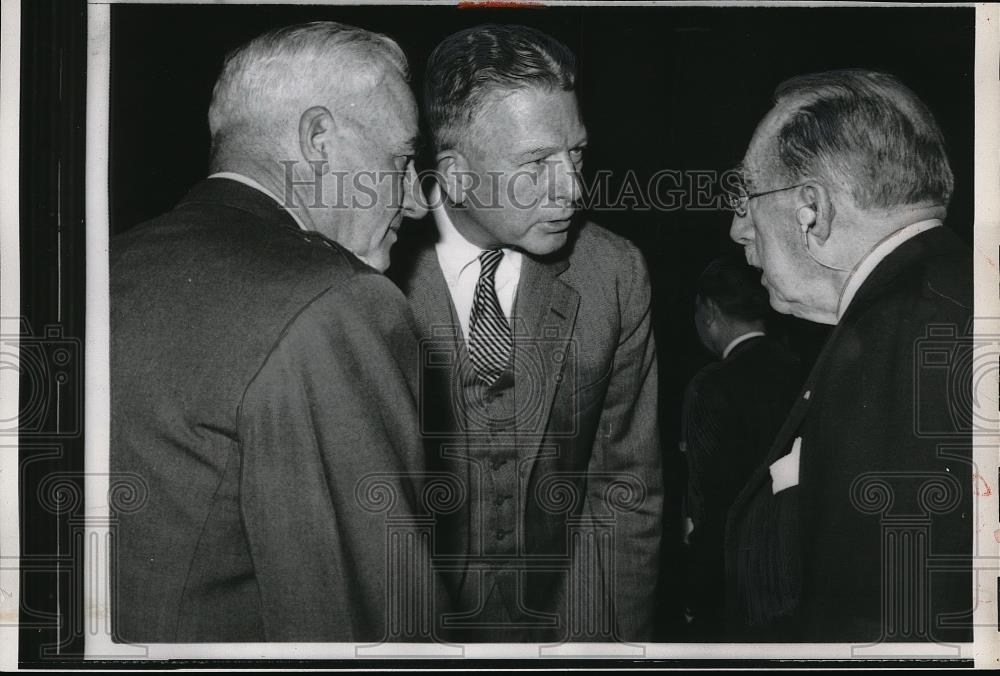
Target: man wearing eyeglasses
[(857, 525)]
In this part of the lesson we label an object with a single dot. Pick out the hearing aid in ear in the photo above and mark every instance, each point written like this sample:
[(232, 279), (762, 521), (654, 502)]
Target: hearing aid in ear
[(806, 218)]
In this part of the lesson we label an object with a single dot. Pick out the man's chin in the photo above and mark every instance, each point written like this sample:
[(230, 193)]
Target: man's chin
[(781, 306), (547, 243), (801, 311), (778, 302)]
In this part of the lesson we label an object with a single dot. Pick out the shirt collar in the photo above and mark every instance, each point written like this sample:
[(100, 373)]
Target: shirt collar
[(739, 339), (877, 254), (246, 180), (456, 253)]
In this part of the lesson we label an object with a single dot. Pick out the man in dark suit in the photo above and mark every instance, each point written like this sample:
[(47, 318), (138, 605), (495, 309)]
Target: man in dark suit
[(262, 374), (732, 411), (539, 362), (858, 524)]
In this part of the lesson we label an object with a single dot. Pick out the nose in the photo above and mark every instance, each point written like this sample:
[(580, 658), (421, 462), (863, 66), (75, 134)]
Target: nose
[(414, 203), (566, 181), (741, 231)]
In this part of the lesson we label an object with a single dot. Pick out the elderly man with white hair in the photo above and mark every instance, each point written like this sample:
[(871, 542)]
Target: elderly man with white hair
[(857, 526), (261, 370)]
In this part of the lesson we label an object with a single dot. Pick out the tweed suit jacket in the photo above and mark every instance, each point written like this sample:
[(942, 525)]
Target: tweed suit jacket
[(260, 376), (873, 542), (587, 439)]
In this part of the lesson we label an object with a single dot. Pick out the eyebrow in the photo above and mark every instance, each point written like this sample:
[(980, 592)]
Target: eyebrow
[(545, 151)]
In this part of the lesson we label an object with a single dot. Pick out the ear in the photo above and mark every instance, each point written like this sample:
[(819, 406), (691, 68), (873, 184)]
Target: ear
[(710, 310), (815, 211), (454, 171), (316, 131)]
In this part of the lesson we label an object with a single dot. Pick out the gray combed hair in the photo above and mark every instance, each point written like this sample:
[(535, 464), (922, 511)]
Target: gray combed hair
[(268, 82), (868, 132)]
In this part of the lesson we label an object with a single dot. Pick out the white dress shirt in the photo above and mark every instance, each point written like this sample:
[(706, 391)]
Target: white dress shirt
[(739, 339), (459, 261), (246, 180), (878, 253)]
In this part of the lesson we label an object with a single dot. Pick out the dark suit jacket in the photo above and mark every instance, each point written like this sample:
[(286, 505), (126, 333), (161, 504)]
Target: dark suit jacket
[(259, 374), (881, 515), (587, 445), (732, 411)]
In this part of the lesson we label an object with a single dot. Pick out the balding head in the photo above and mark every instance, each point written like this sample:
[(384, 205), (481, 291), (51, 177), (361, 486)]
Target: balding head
[(865, 131)]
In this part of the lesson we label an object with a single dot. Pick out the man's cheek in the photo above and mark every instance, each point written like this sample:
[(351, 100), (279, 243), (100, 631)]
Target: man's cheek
[(522, 191)]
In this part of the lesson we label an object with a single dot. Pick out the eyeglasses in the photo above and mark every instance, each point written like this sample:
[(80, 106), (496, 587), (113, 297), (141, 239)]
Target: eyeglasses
[(739, 201)]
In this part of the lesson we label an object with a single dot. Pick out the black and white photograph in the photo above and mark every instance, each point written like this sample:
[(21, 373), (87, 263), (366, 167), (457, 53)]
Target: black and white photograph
[(499, 334)]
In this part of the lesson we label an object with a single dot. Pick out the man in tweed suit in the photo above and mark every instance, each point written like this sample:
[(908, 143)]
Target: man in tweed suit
[(539, 365), (262, 372)]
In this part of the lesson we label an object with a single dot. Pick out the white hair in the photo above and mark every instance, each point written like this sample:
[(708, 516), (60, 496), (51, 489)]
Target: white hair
[(266, 84)]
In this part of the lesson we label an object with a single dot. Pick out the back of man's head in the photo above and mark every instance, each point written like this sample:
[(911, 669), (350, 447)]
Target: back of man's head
[(470, 65), (266, 84), (867, 132), (734, 288)]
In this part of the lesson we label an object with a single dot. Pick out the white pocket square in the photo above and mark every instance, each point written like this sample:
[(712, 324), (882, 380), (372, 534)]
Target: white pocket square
[(785, 470)]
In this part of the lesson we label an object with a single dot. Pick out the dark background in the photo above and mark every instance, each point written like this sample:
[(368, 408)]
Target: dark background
[(660, 88)]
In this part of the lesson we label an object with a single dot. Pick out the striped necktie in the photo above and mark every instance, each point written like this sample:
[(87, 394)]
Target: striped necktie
[(490, 341)]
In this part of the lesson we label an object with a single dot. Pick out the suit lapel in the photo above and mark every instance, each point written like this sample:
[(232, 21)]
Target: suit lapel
[(543, 320), (430, 300), (427, 292)]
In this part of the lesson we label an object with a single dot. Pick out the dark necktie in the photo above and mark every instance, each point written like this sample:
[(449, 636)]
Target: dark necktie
[(490, 341)]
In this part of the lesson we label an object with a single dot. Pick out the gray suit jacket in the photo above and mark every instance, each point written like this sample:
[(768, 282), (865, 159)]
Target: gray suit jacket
[(262, 397), (589, 492)]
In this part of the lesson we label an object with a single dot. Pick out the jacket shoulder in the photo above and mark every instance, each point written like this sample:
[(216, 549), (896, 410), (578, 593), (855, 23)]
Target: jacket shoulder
[(598, 255), (947, 279), (710, 378), (260, 269), (596, 240), (239, 240)]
